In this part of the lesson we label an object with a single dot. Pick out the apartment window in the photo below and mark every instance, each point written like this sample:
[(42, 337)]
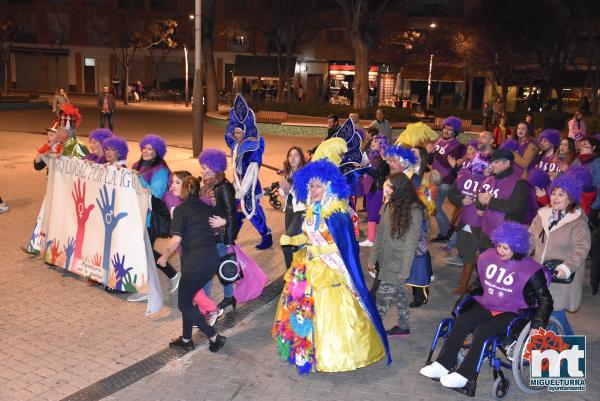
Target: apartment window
[(239, 41), (58, 27)]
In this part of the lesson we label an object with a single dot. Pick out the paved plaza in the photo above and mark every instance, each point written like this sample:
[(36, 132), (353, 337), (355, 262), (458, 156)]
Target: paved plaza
[(59, 336)]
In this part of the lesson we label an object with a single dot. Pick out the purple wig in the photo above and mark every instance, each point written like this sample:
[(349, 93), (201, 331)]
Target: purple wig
[(479, 164), (538, 178), (582, 175), (214, 159), (570, 185), (552, 135), (158, 144), (510, 144), (513, 234), (118, 144), (474, 143), (100, 134), (453, 122)]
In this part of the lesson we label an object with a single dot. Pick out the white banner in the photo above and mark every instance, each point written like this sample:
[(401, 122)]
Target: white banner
[(93, 223)]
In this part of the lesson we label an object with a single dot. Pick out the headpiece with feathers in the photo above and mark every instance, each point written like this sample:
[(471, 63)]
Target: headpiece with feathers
[(417, 134)]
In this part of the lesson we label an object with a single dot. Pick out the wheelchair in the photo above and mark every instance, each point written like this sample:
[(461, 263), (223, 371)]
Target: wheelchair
[(505, 351)]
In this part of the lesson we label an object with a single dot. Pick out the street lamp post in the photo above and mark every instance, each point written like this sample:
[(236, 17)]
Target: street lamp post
[(429, 83), (187, 75), (197, 104)]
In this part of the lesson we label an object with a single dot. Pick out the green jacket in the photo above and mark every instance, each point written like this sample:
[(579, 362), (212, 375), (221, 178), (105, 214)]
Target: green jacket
[(395, 255), (73, 148)]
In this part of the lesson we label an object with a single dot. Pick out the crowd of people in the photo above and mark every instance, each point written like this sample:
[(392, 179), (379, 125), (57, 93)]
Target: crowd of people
[(520, 201)]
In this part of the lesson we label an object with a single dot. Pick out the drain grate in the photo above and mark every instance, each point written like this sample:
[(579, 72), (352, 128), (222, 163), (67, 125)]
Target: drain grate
[(153, 363)]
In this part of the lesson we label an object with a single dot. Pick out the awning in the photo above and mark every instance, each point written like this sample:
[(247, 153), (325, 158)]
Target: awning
[(259, 66), (45, 51)]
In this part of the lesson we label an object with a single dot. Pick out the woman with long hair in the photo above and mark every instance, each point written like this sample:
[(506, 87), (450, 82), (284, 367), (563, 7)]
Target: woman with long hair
[(528, 148), (293, 209), (191, 230), (395, 246)]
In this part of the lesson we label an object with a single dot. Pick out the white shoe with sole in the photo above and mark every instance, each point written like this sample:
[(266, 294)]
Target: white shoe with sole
[(175, 282), (366, 243), (453, 380), (435, 370), (137, 297)]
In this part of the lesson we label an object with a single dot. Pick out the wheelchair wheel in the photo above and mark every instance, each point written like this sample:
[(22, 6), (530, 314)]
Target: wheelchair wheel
[(520, 366), (500, 388)]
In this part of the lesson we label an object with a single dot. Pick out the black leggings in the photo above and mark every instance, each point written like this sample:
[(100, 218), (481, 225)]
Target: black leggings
[(480, 321), (189, 285), (293, 224), (168, 269)]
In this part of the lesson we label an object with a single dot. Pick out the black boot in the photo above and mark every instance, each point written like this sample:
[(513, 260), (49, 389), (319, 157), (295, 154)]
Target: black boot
[(227, 301), (266, 242), (216, 345)]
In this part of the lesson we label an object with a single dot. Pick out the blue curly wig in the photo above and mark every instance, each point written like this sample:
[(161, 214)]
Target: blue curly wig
[(158, 144), (454, 122), (570, 185), (513, 234), (100, 134), (538, 178), (583, 175), (118, 144), (406, 156), (215, 159), (326, 172)]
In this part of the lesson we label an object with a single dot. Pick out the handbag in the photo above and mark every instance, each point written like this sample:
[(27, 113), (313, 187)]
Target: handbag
[(552, 265), (229, 271), (160, 219)]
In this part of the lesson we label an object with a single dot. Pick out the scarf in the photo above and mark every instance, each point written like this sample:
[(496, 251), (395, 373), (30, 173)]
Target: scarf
[(317, 214), (585, 159), (208, 187)]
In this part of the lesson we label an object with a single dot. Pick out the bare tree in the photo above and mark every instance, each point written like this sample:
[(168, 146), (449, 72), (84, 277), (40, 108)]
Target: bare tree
[(134, 38), (158, 55), (362, 23)]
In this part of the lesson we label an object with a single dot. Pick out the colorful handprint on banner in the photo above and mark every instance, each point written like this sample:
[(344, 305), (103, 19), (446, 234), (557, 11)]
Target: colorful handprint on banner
[(69, 250), (82, 213), (106, 206), (120, 270)]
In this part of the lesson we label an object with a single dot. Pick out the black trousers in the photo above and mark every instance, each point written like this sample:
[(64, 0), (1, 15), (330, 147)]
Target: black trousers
[(168, 269), (293, 224), (595, 250), (480, 321), (190, 284), (103, 118), (420, 294)]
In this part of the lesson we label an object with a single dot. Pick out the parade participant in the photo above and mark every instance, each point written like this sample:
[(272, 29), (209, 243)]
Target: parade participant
[(60, 98), (463, 195), (561, 234), (425, 182), (527, 151), (52, 145), (490, 310), (191, 230), (70, 144), (577, 127), (589, 191), (333, 125), (356, 120), (588, 151), (417, 134), (247, 148), (472, 150), (548, 157), (395, 247), (294, 210), (326, 321), (115, 151), (154, 177), (217, 191), (539, 180), (95, 140), (567, 153), (502, 196), (446, 147), (173, 198), (377, 173), (501, 132)]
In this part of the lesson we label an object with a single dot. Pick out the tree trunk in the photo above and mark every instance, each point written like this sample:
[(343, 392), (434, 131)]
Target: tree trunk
[(126, 89), (559, 98), (282, 78), (361, 68), (212, 96), (286, 70)]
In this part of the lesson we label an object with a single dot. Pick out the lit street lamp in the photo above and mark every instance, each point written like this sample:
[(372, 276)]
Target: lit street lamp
[(197, 104), (427, 100), (187, 75)]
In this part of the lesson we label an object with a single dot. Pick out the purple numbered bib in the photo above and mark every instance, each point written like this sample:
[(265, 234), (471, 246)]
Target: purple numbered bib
[(501, 189)]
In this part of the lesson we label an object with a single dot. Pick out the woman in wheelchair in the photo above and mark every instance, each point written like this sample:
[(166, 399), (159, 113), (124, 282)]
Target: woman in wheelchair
[(508, 281)]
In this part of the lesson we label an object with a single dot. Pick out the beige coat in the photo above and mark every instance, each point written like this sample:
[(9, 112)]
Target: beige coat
[(568, 241)]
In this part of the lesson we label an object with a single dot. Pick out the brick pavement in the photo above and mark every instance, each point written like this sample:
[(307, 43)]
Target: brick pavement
[(57, 335)]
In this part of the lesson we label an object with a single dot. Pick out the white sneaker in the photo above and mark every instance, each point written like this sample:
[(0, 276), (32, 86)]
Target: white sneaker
[(435, 370), (453, 380), (454, 260), (137, 297), (3, 207), (175, 282), (366, 243), (211, 317)]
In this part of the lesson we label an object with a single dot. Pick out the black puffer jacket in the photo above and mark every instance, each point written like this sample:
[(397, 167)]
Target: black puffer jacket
[(225, 200), (536, 293)]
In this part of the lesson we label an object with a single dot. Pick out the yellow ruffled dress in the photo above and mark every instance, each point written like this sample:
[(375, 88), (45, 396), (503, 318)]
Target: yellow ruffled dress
[(320, 324)]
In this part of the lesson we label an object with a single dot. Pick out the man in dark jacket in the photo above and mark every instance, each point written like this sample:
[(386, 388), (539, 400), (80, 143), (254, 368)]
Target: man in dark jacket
[(106, 106), (503, 196)]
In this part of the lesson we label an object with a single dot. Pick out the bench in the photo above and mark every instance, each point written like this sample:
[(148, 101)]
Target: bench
[(273, 117), (466, 124)]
